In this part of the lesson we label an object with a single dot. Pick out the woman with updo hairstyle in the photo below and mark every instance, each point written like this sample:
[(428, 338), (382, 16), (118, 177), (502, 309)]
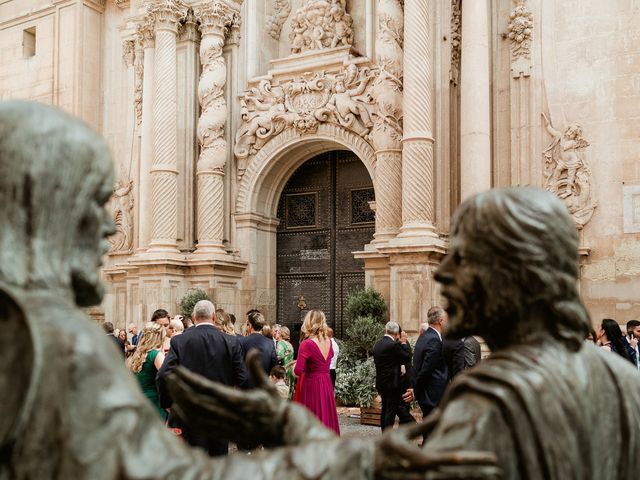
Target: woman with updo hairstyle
[(147, 360), (314, 389)]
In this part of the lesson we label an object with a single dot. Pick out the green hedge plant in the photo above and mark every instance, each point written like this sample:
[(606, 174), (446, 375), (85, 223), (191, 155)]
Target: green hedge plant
[(366, 303)]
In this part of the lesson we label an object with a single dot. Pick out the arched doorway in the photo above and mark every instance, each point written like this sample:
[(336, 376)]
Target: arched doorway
[(324, 216)]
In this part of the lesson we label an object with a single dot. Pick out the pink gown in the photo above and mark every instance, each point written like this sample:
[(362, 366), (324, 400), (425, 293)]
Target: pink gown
[(315, 390)]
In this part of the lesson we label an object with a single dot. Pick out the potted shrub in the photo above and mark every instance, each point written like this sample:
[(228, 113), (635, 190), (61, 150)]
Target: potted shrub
[(356, 373)]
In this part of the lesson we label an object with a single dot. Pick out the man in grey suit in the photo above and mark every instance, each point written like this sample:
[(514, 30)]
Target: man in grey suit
[(472, 354)]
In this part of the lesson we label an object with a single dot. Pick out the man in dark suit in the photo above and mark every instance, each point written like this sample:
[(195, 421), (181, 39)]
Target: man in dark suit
[(256, 340), (207, 351), (389, 354), (430, 369), (453, 352)]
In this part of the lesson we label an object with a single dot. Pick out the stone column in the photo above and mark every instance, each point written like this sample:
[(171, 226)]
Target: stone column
[(164, 174), (146, 38), (386, 133), (475, 140), (210, 167), (417, 149)]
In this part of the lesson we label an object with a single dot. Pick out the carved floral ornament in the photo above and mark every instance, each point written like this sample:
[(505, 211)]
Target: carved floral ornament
[(520, 32), (567, 172), (275, 21), (303, 103)]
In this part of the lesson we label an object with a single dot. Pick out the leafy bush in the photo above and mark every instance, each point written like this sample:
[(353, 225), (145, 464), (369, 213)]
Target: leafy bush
[(360, 337), (365, 303), (355, 383), (189, 300)]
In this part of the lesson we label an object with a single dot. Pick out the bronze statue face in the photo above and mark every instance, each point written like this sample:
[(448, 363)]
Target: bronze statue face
[(462, 288), (91, 245)]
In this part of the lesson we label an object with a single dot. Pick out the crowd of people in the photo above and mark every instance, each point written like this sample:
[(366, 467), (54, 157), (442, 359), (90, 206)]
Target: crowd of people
[(207, 344)]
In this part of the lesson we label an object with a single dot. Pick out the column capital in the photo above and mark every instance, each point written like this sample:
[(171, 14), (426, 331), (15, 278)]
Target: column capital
[(167, 14), (214, 17), (146, 32)]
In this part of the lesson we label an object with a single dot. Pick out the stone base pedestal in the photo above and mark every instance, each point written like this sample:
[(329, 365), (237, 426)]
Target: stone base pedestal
[(404, 277), (143, 284)]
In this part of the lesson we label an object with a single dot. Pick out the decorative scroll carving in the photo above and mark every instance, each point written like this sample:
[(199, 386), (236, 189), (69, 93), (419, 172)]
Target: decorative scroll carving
[(145, 32), (456, 41), (274, 23), (520, 32), (303, 103), (122, 213), (321, 24), (567, 172), (138, 68), (121, 3)]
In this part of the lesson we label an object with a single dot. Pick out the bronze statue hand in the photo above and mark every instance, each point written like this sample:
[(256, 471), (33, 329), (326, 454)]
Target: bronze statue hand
[(247, 417), (398, 457)]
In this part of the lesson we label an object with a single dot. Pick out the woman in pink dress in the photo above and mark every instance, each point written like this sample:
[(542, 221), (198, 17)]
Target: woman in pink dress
[(314, 389)]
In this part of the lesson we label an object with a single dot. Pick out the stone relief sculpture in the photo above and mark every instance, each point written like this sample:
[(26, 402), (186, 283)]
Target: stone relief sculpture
[(567, 173), (303, 103), (520, 33), (503, 419), (122, 214), (128, 52), (138, 68), (456, 41), (321, 24), (275, 21)]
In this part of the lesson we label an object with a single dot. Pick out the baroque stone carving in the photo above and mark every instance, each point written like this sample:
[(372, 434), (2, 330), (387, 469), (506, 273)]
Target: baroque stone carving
[(128, 52), (138, 68), (275, 21), (520, 33), (321, 24), (303, 103), (122, 214), (167, 13), (456, 41), (567, 172)]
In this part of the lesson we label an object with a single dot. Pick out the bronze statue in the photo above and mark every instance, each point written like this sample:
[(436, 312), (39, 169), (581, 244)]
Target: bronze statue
[(69, 408)]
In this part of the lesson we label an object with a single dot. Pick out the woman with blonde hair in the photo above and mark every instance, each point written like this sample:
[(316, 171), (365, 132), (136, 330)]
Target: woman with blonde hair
[(314, 389), (223, 322), (147, 360)]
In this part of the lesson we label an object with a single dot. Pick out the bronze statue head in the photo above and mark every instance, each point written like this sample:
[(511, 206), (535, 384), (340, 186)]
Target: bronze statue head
[(56, 175), (511, 272)]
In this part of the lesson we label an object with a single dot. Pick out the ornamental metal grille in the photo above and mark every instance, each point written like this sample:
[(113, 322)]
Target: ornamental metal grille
[(301, 210), (360, 210)]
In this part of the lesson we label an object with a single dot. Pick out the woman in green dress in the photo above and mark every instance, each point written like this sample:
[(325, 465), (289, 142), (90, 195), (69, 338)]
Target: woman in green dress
[(146, 361), (284, 352)]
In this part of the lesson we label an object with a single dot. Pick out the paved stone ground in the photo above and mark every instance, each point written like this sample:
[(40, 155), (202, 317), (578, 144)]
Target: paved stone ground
[(350, 427)]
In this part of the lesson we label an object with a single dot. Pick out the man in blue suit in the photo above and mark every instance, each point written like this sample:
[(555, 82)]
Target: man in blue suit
[(430, 373), (256, 340)]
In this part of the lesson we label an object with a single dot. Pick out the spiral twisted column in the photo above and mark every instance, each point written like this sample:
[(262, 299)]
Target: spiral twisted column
[(417, 148), (214, 18), (386, 133), (164, 170)]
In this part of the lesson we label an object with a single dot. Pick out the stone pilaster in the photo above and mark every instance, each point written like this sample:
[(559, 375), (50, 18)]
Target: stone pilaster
[(164, 174), (214, 18), (475, 140), (386, 133), (417, 150), (146, 38)]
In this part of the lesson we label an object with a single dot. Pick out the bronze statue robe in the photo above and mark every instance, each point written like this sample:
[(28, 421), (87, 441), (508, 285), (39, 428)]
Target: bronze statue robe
[(547, 413)]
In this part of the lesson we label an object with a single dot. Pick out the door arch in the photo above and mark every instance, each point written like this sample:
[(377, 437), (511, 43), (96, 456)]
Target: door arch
[(324, 216)]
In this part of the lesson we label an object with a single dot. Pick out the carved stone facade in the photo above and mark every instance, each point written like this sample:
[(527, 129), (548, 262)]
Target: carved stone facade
[(211, 106), (303, 103), (321, 24)]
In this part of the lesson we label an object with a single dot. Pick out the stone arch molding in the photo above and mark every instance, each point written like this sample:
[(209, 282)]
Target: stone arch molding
[(268, 171)]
